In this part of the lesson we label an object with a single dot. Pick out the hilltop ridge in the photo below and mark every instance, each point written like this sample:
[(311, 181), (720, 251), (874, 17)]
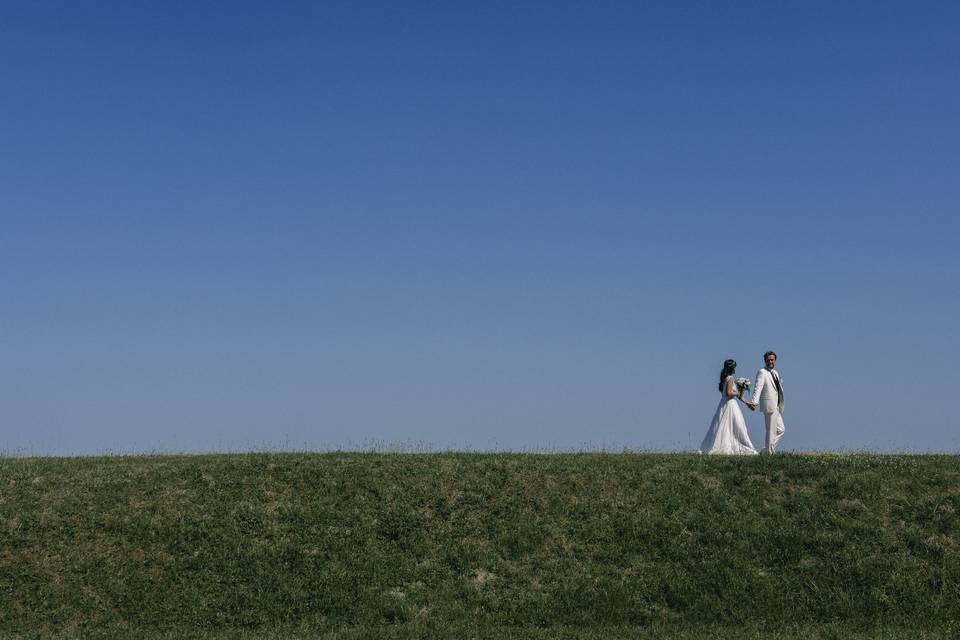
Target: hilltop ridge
[(352, 543)]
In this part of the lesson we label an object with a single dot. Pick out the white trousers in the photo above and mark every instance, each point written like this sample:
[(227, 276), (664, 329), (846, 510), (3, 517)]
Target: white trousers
[(775, 430)]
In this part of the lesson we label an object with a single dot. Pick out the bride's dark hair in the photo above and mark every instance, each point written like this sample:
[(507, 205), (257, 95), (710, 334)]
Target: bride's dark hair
[(728, 368)]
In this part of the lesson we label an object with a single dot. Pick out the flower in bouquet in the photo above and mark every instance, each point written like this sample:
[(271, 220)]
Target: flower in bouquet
[(743, 385)]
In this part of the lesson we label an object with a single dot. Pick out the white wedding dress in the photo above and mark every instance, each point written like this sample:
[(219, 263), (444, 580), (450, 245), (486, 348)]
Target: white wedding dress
[(727, 434)]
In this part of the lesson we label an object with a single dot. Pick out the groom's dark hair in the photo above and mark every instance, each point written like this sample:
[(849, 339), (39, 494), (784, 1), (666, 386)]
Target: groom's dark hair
[(769, 353)]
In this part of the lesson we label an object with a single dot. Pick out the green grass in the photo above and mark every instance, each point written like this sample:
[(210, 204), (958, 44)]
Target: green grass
[(351, 546)]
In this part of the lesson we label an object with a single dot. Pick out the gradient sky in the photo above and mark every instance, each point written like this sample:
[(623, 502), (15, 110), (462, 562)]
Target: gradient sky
[(531, 226)]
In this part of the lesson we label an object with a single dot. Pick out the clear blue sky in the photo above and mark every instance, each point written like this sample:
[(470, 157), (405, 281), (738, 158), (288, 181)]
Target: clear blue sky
[(231, 226)]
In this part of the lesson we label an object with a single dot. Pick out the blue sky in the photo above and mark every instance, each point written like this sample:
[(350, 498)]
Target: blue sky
[(514, 226)]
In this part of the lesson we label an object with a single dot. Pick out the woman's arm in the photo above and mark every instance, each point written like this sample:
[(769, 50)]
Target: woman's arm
[(731, 390)]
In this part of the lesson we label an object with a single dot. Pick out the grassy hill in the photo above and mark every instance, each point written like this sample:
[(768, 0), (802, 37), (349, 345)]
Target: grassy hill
[(346, 545)]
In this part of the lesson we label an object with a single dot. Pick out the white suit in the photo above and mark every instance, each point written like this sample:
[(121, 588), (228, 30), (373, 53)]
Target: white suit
[(765, 396)]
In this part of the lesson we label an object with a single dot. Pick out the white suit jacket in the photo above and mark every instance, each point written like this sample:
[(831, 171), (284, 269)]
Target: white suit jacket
[(765, 392)]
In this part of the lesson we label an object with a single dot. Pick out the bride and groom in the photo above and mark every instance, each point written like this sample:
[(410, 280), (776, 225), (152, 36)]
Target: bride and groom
[(728, 430)]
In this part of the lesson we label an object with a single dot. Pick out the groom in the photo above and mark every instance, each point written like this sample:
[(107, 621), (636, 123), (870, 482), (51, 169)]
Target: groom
[(768, 395)]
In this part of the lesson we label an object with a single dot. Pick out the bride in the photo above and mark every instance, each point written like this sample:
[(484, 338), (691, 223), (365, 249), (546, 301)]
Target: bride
[(728, 430)]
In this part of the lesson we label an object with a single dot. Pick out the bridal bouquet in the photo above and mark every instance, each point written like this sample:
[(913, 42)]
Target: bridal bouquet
[(743, 385)]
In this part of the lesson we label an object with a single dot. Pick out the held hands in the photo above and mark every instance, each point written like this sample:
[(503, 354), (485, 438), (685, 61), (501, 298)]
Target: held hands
[(752, 405)]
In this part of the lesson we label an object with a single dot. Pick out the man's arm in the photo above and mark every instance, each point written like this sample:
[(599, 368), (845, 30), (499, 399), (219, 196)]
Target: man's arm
[(780, 395), (757, 387)]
